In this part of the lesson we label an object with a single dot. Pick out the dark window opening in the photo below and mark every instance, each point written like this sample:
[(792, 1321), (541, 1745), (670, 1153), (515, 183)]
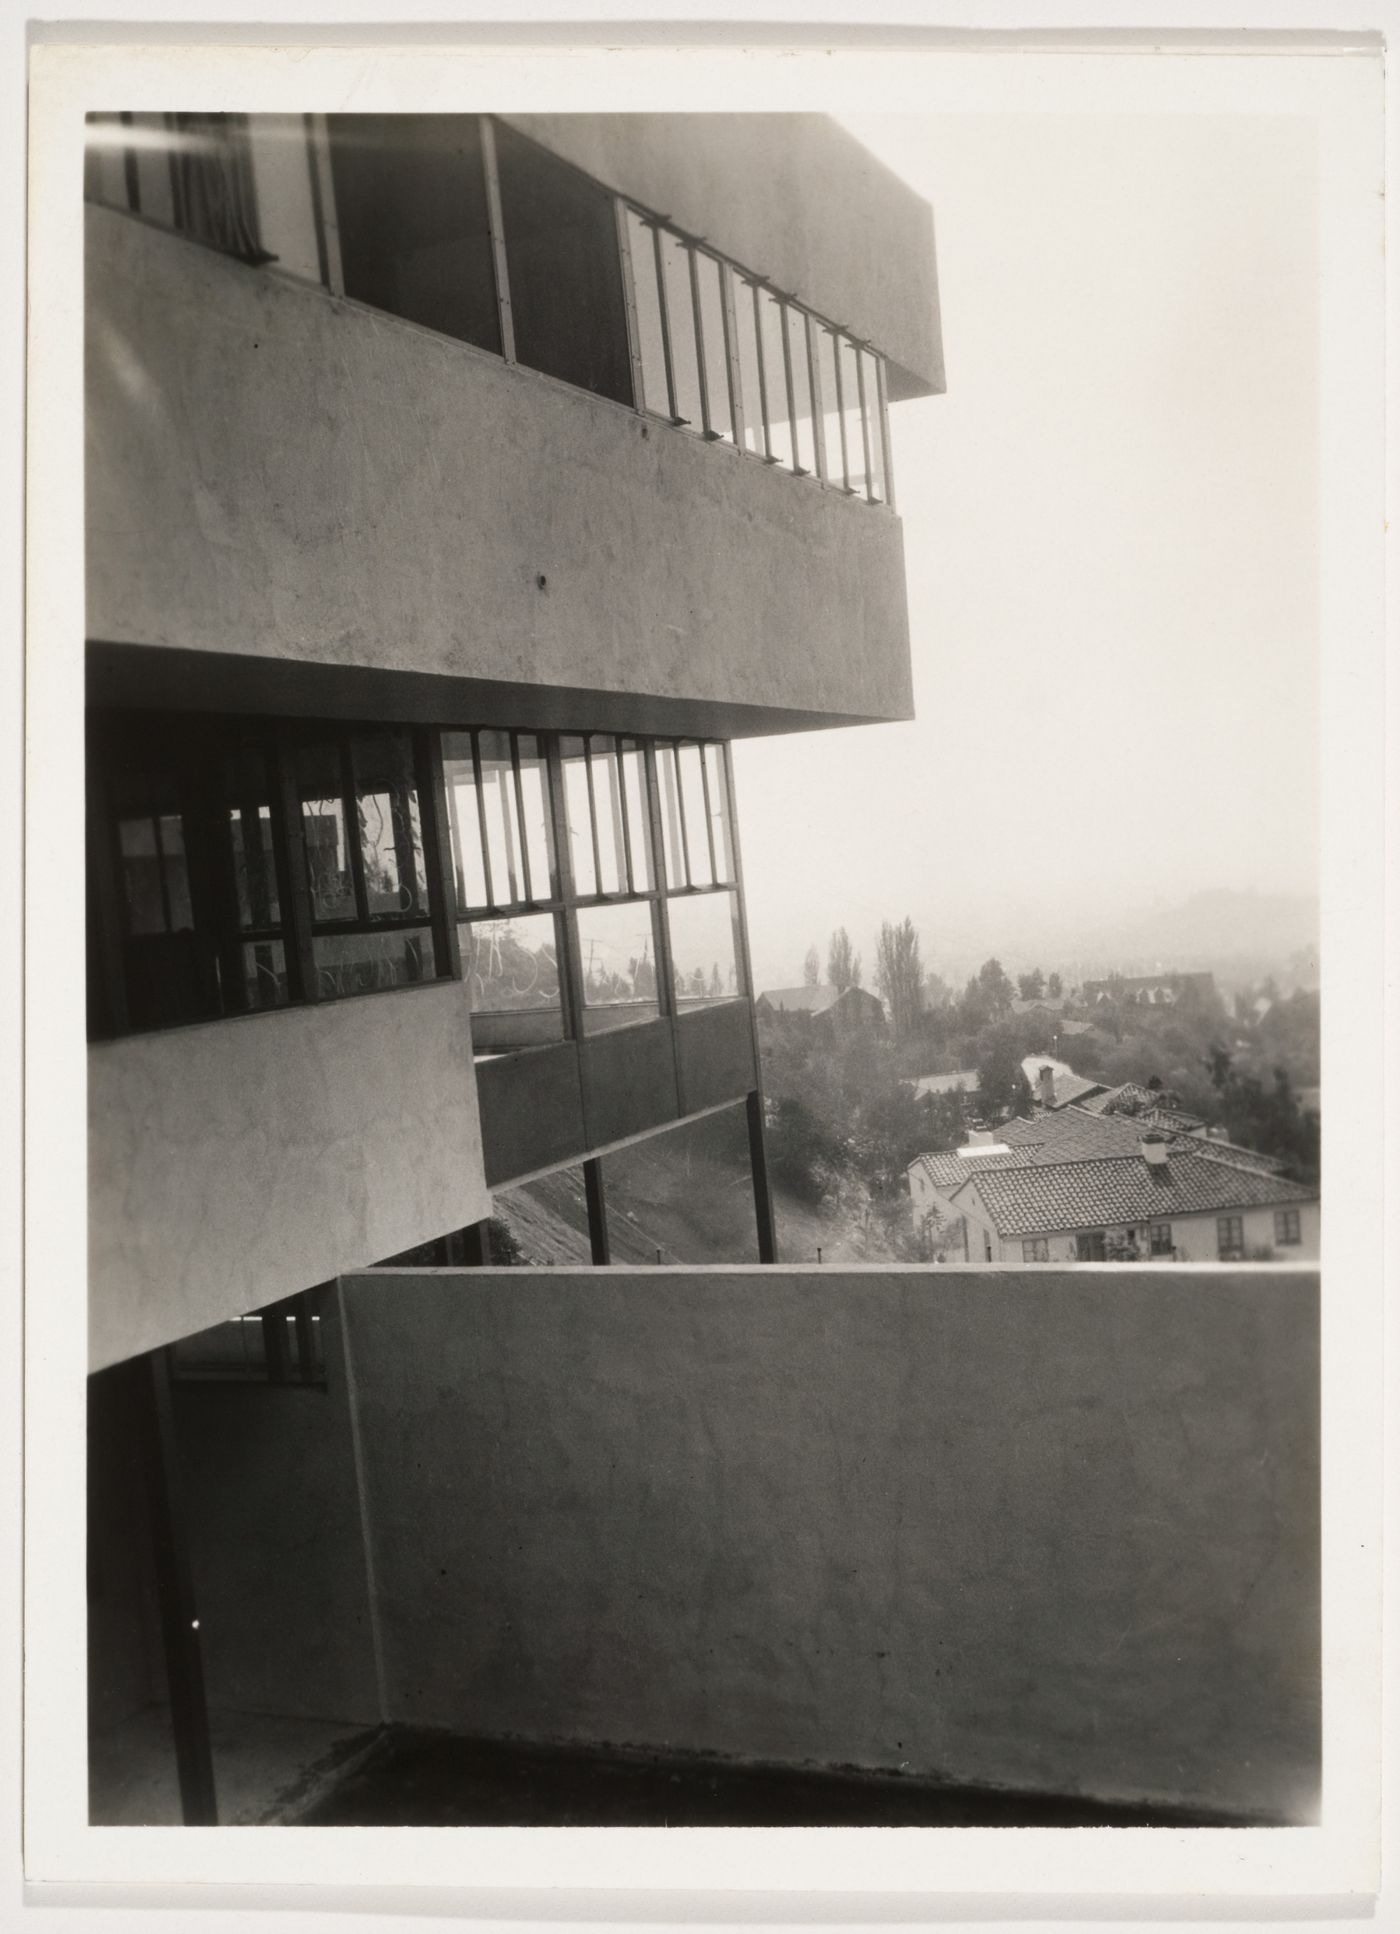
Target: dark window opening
[(565, 270), (415, 238)]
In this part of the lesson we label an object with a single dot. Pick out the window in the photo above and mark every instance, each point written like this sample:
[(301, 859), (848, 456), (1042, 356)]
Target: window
[(1229, 1233), (281, 1344), (362, 832), (1035, 1249), (1089, 1246), (606, 804), (411, 209), (1288, 1229), (1159, 1239), (564, 269)]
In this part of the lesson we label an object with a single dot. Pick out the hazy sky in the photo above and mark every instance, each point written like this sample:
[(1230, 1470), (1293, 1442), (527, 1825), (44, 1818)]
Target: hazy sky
[(1111, 548)]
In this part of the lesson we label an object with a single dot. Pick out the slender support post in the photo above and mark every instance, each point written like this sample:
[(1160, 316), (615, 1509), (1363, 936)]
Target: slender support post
[(476, 1246), (597, 1212), (184, 1663), (762, 1195)]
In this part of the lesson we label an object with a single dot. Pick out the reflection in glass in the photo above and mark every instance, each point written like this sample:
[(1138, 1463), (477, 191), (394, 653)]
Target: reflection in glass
[(704, 947), (641, 238), (721, 416), (578, 811), (608, 815), (323, 828), (265, 974), (464, 812), (371, 963), (391, 833), (617, 961), (511, 969), (680, 313)]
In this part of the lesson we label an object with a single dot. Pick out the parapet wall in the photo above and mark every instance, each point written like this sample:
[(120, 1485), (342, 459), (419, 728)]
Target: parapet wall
[(1052, 1530)]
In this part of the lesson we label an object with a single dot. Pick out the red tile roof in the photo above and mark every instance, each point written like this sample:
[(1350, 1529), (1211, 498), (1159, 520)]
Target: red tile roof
[(1041, 1198)]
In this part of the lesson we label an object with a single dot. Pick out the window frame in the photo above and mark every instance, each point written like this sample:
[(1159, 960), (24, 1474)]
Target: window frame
[(1288, 1228), (1227, 1248)]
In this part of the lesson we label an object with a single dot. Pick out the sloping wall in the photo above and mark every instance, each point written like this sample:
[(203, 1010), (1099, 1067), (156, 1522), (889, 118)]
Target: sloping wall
[(1037, 1529)]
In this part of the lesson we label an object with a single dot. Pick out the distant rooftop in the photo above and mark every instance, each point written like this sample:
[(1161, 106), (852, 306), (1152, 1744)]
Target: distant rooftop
[(1038, 1199)]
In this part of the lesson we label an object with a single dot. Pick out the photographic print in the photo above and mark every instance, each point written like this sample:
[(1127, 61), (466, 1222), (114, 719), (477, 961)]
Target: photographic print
[(705, 828)]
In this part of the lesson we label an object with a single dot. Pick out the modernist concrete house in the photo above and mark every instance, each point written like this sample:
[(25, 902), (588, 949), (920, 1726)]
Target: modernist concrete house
[(458, 489)]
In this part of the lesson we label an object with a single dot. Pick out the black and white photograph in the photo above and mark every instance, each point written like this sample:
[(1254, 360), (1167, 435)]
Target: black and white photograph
[(716, 709)]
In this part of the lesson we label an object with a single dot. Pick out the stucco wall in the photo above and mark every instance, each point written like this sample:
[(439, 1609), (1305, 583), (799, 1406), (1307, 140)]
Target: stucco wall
[(279, 475), (239, 1161), (790, 196), (1031, 1528)]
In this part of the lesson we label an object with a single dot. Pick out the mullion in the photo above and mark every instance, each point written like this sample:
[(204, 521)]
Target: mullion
[(731, 350), (481, 821), (841, 412), (620, 789), (661, 924), (680, 810), (664, 302), (709, 817), (759, 357), (706, 414), (865, 426), (160, 873), (593, 818), (885, 431), (349, 804), (814, 378), (783, 307), (521, 839), (629, 302)]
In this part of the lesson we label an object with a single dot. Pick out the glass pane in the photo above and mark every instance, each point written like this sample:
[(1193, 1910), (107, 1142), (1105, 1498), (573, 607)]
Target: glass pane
[(323, 828), (704, 949), (576, 809), (747, 322), (831, 419), (145, 905), (410, 201), (716, 357), (634, 779), (511, 968), (607, 806), (696, 819), (801, 389), (281, 163), (371, 963), (214, 194), (104, 161), (719, 810), (617, 959), (539, 836), (680, 309), (850, 398), (391, 832), (879, 469), (248, 795), (668, 783), (564, 270), (642, 246), (153, 145), (464, 816), (177, 872), (265, 973), (502, 819), (775, 377)]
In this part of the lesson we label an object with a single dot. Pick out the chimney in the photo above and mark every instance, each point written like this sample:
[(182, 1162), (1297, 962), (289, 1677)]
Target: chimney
[(981, 1138), (1153, 1150), (1047, 1087)]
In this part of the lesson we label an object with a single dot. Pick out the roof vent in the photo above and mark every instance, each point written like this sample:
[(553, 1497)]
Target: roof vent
[(1153, 1150), (981, 1138)]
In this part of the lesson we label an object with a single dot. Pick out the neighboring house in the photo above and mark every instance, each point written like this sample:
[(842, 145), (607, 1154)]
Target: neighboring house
[(1054, 1084), (1147, 990), (452, 505), (1109, 1173), (856, 1007)]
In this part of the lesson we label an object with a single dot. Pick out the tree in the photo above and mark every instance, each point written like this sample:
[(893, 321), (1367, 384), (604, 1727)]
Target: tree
[(1054, 987), (1032, 985), (842, 965), (812, 968), (1002, 1088), (899, 975), (995, 984)]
